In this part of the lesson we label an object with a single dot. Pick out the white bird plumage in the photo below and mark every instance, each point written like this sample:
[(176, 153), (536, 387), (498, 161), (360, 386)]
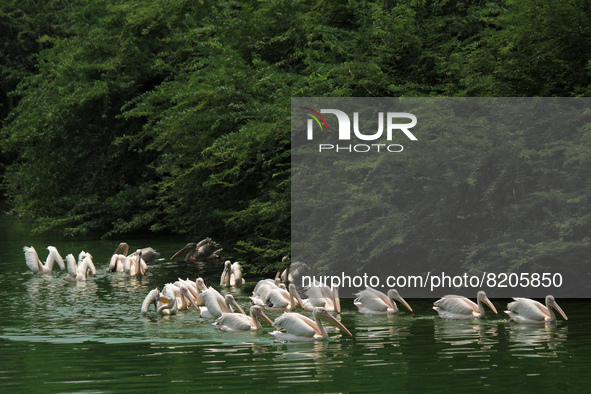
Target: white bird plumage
[(232, 322), (79, 272), (232, 275), (300, 328), (525, 310), (322, 296), (459, 307), (117, 262), (216, 304), (165, 302), (374, 302), (39, 268)]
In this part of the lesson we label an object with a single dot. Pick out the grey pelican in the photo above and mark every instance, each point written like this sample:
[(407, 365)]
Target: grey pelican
[(232, 322), (206, 249), (300, 328), (524, 310), (459, 307), (39, 268), (373, 302)]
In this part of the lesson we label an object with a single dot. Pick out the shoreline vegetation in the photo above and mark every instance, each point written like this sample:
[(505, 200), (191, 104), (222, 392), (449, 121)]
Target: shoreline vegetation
[(126, 117)]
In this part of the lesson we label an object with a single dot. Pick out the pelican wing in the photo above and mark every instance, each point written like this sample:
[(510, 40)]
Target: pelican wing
[(457, 304), (373, 300), (71, 263), (150, 255), (234, 322), (279, 298), (318, 295), (528, 308), (32, 259), (55, 256), (215, 303), (297, 324), (89, 264)]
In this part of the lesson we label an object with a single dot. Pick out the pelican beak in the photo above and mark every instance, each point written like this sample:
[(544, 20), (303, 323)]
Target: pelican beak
[(188, 294), (337, 300), (123, 249), (188, 247), (559, 309), (224, 274), (403, 302), (294, 293), (490, 304), (164, 299), (327, 317), (200, 284), (261, 314), (233, 302)]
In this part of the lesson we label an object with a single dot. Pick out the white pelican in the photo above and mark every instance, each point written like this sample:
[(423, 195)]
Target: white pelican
[(79, 272), (263, 288), (300, 328), (206, 249), (459, 307), (165, 302), (280, 299), (135, 264), (117, 262), (524, 310), (216, 304), (318, 296), (232, 322), (373, 302), (39, 268), (232, 275)]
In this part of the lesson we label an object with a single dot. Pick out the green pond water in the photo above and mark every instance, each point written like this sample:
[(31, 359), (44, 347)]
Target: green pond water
[(90, 336)]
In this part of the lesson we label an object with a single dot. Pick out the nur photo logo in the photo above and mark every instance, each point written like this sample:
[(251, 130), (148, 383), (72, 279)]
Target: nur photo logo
[(389, 124)]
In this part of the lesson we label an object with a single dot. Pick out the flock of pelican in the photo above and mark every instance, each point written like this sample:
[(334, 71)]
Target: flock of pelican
[(272, 294)]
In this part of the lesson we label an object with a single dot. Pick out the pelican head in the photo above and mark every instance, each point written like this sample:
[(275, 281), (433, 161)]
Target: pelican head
[(200, 283), (191, 246), (256, 310), (393, 294), (151, 299), (227, 273), (551, 302), (123, 249), (481, 296), (231, 301), (323, 314)]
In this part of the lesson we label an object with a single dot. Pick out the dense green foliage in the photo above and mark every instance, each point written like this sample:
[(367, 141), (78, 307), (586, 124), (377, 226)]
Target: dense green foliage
[(130, 116)]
